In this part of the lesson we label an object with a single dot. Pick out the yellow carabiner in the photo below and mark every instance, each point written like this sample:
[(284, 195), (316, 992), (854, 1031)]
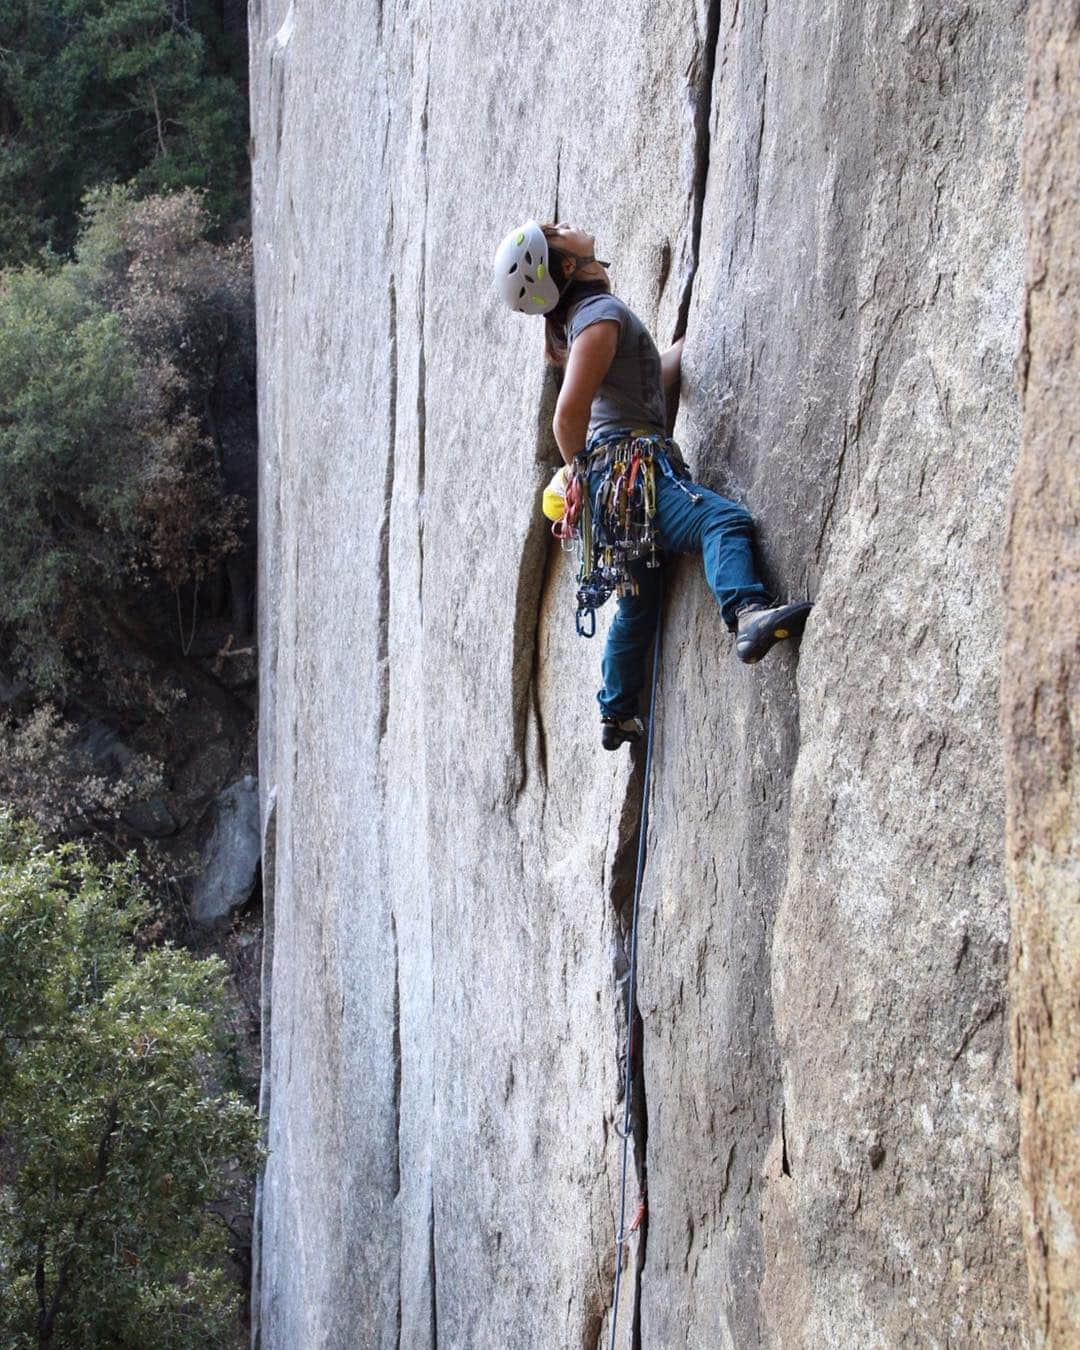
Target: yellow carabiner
[(648, 487)]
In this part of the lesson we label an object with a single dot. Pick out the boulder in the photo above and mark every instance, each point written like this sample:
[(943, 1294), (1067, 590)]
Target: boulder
[(231, 854)]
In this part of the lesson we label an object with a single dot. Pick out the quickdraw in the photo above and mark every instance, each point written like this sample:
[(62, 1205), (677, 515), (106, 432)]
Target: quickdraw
[(614, 524)]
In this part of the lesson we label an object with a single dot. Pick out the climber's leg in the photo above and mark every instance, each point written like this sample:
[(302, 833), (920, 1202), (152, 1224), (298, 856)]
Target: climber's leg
[(723, 531), (627, 645)]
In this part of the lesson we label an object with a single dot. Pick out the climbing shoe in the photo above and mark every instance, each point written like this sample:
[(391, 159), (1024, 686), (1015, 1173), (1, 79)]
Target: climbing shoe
[(615, 731), (760, 627)]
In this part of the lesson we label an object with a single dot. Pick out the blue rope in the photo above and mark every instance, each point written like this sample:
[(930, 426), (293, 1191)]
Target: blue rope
[(631, 983)]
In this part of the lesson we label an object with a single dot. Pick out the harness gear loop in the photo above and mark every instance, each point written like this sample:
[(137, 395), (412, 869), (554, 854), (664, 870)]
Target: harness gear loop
[(611, 513)]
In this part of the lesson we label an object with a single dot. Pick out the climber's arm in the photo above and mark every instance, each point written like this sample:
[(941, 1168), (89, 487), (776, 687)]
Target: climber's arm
[(588, 363), (670, 365)]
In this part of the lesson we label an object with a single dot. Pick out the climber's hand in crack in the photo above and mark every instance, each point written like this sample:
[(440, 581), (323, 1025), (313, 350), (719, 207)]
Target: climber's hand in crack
[(671, 367)]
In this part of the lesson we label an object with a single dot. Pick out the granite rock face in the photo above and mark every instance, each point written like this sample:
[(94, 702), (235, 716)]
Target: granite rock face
[(827, 195), (1041, 684)]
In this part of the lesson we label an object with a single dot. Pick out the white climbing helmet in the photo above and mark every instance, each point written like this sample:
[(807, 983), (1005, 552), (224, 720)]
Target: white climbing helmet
[(522, 273)]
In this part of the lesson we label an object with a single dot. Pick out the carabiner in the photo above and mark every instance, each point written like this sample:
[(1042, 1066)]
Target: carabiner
[(581, 630)]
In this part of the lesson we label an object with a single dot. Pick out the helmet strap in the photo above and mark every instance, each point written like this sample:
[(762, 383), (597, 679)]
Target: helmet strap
[(580, 261)]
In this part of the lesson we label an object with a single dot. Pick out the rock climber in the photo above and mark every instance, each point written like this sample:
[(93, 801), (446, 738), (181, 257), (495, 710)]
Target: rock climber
[(623, 470)]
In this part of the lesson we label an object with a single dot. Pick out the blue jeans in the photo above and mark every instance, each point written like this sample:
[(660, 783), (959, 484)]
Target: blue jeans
[(722, 530)]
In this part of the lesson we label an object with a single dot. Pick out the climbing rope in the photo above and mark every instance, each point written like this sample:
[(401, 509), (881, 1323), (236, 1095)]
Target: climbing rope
[(631, 979)]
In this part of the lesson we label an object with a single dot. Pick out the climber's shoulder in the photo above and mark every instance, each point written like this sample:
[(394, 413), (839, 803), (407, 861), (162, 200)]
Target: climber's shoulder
[(600, 307), (590, 358)]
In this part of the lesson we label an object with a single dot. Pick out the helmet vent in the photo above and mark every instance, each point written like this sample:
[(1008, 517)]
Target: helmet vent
[(521, 292), (513, 268), (529, 279), (528, 257)]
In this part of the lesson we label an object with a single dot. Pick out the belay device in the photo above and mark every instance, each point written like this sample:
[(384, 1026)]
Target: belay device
[(614, 526)]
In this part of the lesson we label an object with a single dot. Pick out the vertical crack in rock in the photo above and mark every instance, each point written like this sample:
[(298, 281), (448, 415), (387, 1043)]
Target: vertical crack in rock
[(664, 271), (834, 491), (702, 99), (541, 729), (623, 869), (433, 1274), (621, 895), (421, 432), (382, 661), (384, 683), (754, 186), (1040, 673), (532, 575), (526, 670), (594, 1329), (639, 1119), (421, 363), (269, 876), (558, 174), (399, 1318), (395, 1050), (755, 190)]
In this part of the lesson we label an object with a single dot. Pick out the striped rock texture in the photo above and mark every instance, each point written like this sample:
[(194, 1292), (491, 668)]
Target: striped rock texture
[(828, 195), (1041, 681)]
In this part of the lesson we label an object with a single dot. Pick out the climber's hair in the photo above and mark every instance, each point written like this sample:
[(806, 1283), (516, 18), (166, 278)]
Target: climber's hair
[(555, 344)]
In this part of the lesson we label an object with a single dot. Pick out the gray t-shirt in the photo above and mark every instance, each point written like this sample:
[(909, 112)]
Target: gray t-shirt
[(632, 394)]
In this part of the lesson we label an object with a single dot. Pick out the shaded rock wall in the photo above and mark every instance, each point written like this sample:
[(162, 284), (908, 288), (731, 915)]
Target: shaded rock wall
[(827, 195), (1041, 685)]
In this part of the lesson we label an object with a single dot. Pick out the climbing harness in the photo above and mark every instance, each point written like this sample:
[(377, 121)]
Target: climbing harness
[(641, 1212), (610, 517)]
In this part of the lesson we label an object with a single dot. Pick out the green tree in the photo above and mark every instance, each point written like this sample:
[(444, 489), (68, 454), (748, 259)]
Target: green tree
[(122, 1158), (111, 479), (100, 91)]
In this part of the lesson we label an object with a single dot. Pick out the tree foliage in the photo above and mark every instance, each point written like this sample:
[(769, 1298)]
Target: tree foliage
[(109, 466), (48, 774), (113, 91), (119, 1151)]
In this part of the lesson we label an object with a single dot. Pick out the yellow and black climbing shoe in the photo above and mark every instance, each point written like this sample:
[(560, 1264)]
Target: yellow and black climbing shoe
[(760, 627), (625, 731)]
